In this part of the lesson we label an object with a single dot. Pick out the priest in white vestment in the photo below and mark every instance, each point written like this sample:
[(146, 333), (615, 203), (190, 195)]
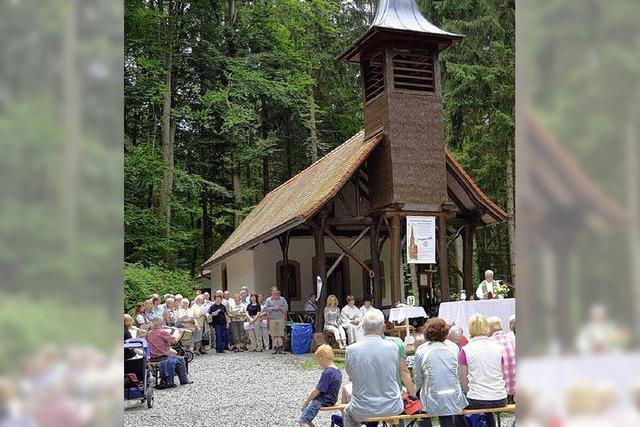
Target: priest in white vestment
[(351, 320), (486, 288)]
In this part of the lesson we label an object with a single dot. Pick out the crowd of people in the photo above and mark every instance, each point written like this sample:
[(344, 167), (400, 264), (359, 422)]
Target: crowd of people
[(244, 322), (450, 373)]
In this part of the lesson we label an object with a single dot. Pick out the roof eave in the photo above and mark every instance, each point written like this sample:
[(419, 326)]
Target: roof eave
[(352, 54)]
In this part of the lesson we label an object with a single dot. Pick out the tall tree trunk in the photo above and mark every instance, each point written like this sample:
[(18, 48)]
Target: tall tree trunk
[(207, 231), (313, 137), (511, 221), (166, 187), (633, 203), (264, 128), (73, 129), (237, 186)]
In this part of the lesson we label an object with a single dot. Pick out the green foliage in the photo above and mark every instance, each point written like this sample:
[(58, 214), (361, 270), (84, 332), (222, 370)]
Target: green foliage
[(29, 322), (141, 281), (243, 94)]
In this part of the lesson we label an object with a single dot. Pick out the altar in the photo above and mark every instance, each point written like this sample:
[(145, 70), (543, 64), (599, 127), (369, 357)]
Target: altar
[(459, 312)]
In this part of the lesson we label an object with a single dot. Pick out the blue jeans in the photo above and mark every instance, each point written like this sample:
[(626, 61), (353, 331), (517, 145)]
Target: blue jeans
[(310, 412), (181, 369), (221, 344), (482, 404)]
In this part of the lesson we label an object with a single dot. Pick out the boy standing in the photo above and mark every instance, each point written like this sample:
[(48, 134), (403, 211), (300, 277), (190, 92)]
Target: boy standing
[(326, 392)]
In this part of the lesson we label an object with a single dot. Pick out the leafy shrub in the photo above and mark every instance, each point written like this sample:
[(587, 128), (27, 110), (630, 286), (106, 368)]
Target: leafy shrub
[(141, 281)]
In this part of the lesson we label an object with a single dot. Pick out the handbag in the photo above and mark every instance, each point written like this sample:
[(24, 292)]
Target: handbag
[(411, 406), (248, 326)]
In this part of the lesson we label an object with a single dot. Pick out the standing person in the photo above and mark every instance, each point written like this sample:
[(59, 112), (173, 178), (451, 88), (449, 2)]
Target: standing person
[(254, 312), (487, 286), (367, 305), (480, 364), (435, 371), (218, 312), (186, 320), (326, 392), (351, 316), (199, 315), (277, 307), (264, 322), (332, 321), (226, 296), (372, 364), (245, 296), (156, 309), (311, 303), (512, 329), (148, 311), (508, 355), (238, 316), (139, 316)]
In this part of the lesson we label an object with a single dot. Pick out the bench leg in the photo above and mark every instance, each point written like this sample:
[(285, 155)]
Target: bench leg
[(498, 416)]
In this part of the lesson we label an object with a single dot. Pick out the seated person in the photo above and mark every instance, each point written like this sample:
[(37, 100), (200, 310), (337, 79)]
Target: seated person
[(326, 392), (160, 341), (351, 316), (480, 367)]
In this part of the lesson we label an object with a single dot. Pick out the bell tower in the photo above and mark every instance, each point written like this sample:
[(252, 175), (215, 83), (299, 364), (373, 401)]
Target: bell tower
[(400, 73)]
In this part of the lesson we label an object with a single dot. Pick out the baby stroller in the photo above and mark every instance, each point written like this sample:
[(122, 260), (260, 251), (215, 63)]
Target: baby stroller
[(137, 375)]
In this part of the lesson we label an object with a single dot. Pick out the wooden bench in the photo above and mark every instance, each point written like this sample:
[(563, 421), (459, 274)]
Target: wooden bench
[(402, 420)]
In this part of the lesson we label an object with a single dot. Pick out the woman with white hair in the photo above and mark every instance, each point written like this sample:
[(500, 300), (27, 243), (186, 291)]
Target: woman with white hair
[(199, 314), (186, 321), (332, 320)]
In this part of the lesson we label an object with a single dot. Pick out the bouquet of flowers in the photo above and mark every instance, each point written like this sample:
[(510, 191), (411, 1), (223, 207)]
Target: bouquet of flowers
[(501, 291)]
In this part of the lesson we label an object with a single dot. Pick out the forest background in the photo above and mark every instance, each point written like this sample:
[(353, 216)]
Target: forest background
[(226, 99)]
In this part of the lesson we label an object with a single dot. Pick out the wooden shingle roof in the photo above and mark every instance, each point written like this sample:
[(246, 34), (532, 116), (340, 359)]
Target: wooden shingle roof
[(296, 200)]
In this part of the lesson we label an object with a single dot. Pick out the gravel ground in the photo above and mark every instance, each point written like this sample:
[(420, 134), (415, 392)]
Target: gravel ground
[(237, 389)]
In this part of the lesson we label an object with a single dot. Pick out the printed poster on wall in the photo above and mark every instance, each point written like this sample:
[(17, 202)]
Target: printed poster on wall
[(421, 239)]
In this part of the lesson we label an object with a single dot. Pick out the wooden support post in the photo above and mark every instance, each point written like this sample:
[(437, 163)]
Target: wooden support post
[(321, 269), (467, 258), (443, 263), (396, 259), (374, 232), (284, 247)]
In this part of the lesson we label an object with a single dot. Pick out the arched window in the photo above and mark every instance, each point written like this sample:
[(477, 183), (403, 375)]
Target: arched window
[(293, 289), (223, 277), (366, 281)]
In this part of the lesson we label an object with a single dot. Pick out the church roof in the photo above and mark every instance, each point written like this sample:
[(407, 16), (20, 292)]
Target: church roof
[(296, 200), (399, 19), (299, 198)]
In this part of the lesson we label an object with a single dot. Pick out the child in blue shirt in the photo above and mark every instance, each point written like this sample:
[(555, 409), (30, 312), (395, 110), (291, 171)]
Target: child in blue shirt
[(326, 392)]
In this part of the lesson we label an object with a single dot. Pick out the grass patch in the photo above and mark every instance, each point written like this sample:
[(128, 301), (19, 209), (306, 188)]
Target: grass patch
[(312, 364)]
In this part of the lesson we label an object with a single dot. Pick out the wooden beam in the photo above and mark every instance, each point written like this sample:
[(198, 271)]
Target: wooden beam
[(321, 270), (343, 254), (284, 247), (346, 250), (443, 264), (467, 258), (396, 261), (341, 221), (375, 263), (346, 204)]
